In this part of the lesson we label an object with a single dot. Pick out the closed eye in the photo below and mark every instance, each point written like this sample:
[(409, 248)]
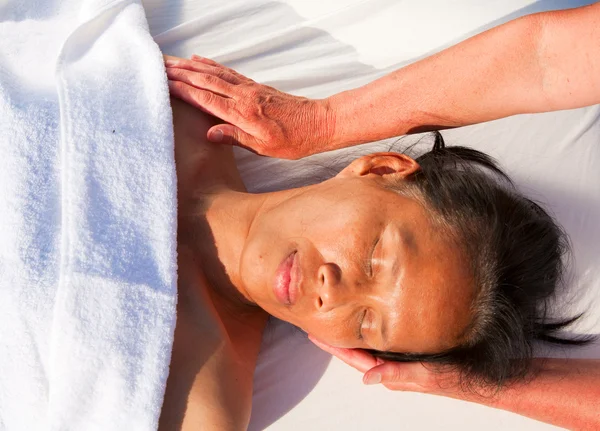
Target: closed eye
[(359, 334), (371, 256)]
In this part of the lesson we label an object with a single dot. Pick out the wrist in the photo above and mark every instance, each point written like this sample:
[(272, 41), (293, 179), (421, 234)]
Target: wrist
[(323, 127), (340, 126), (372, 113), (312, 128)]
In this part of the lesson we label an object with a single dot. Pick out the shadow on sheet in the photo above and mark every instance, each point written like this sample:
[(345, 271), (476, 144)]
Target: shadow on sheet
[(280, 41)]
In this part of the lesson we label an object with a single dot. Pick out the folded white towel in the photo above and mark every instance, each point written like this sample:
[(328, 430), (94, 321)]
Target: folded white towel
[(88, 218)]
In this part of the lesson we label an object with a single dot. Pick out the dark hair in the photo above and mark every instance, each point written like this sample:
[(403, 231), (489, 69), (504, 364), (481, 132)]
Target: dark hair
[(516, 253)]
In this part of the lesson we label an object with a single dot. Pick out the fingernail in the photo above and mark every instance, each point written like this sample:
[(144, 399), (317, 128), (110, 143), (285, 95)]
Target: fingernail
[(196, 57), (372, 379), (216, 136)]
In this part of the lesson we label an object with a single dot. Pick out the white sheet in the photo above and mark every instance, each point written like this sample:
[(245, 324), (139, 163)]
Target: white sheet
[(316, 48)]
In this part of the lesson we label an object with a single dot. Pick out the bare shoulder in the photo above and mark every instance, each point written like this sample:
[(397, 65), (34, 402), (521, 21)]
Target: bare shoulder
[(201, 165), (211, 371)]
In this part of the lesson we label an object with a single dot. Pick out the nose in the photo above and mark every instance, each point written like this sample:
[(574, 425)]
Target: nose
[(329, 292)]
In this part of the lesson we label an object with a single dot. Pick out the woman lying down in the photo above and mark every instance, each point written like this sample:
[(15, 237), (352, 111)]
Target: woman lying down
[(436, 259)]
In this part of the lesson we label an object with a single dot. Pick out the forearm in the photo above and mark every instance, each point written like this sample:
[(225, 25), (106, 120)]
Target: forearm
[(565, 393), (532, 64)]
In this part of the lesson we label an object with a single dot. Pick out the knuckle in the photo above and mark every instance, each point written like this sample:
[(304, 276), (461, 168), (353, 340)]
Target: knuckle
[(205, 79), (205, 97), (251, 91), (234, 73), (231, 107), (175, 72), (220, 74), (252, 115), (396, 375)]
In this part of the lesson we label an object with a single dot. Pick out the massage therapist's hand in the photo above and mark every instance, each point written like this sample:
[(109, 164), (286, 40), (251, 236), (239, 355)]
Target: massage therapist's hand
[(257, 117), (397, 376), (563, 392)]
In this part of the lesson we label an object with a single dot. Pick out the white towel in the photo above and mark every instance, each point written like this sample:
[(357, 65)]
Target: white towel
[(87, 218)]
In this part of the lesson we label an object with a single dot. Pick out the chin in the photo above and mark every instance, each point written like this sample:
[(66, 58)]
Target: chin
[(280, 316)]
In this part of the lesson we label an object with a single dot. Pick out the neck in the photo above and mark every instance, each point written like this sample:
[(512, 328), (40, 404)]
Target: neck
[(217, 233)]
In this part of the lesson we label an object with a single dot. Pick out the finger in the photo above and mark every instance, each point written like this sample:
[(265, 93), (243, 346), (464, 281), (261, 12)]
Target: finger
[(221, 73), (206, 101), (170, 59), (202, 80), (229, 134), (389, 371), (214, 68), (205, 60), (356, 358), (388, 374), (213, 63), (401, 376)]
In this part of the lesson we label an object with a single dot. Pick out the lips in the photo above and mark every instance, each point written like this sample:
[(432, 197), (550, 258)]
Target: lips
[(286, 280)]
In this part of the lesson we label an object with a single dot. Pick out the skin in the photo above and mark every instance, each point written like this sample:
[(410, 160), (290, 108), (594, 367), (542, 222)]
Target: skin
[(538, 63), (366, 257), (216, 341)]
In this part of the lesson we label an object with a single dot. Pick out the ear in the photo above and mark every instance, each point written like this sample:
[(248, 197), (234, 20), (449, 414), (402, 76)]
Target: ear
[(382, 164)]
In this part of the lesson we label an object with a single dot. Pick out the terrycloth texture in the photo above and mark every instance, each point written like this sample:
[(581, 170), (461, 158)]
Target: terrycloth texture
[(88, 218)]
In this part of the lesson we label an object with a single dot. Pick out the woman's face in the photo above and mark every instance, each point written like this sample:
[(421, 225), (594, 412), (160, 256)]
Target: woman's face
[(359, 266)]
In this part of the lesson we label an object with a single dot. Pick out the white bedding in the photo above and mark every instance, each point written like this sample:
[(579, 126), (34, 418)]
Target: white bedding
[(316, 48)]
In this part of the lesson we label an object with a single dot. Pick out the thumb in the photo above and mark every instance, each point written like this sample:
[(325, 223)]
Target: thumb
[(395, 373), (231, 135)]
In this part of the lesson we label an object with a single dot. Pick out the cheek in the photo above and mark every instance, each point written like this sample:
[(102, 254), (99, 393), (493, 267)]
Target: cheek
[(254, 273), (263, 252), (338, 331)]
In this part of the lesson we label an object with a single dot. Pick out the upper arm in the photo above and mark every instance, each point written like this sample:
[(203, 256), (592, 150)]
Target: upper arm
[(569, 57), (213, 392)]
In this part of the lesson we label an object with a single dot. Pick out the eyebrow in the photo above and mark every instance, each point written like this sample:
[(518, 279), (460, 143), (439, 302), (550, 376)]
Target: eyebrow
[(384, 334), (407, 238)]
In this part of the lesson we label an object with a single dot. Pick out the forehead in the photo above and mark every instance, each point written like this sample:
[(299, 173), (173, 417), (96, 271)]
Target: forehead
[(430, 303)]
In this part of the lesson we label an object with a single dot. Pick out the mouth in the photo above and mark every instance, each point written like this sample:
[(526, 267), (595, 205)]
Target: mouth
[(285, 285)]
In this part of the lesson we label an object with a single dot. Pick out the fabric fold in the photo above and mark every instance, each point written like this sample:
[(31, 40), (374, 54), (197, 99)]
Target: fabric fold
[(88, 261)]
